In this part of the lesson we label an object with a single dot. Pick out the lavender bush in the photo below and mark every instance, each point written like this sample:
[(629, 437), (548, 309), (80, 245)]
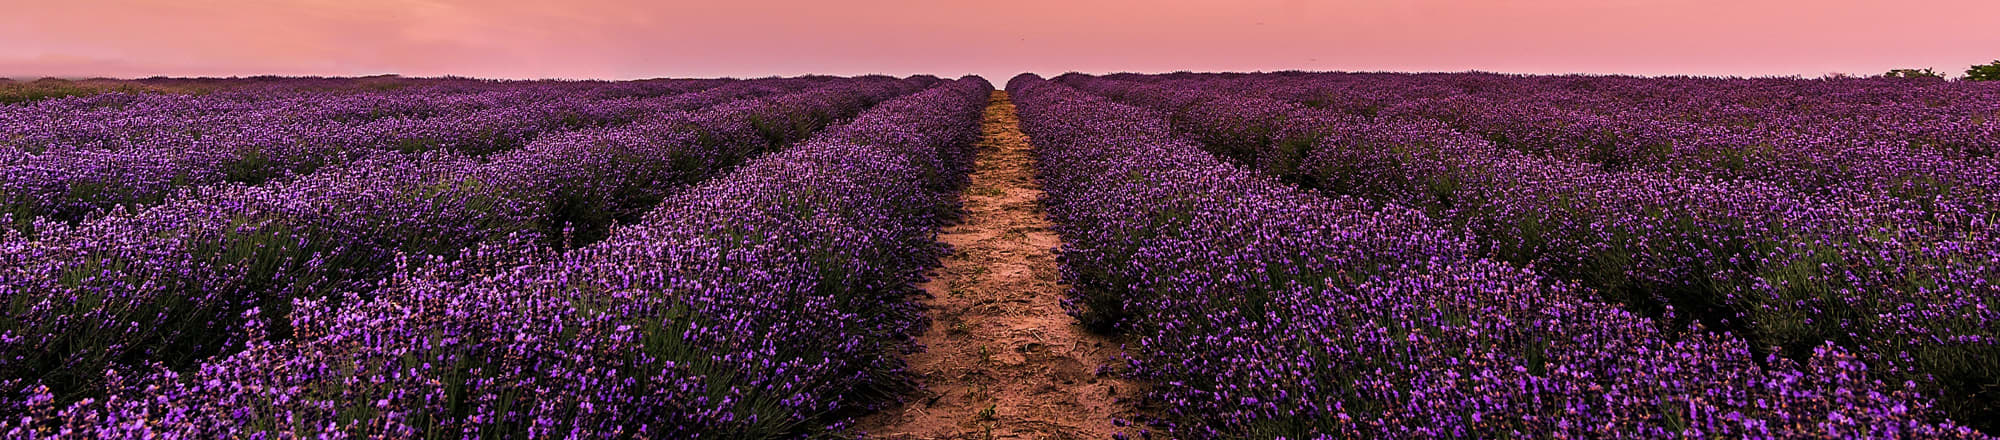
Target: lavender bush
[(169, 284), (1264, 311), (1928, 143), (759, 304), (141, 157), (1908, 292)]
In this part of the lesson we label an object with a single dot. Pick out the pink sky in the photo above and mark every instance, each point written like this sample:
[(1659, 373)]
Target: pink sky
[(635, 38)]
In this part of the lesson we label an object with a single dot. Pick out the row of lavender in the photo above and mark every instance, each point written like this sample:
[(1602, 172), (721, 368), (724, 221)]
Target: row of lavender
[(1264, 311), (1956, 119), (168, 285), (114, 120), (1926, 142), (1943, 164), (765, 303), (98, 163), (1909, 293), (45, 90)]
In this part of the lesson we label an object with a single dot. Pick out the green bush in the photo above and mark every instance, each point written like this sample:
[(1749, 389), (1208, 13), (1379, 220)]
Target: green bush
[(1914, 73), (1986, 72)]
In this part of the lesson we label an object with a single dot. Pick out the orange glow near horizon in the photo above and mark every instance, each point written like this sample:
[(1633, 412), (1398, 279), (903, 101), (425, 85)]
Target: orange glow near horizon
[(633, 39)]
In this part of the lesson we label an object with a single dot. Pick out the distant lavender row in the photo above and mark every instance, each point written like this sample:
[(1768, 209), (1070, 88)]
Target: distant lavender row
[(1788, 270), (1956, 119), (168, 284), (30, 94), (1811, 145), (123, 121), (68, 184), (117, 120), (1263, 311), (755, 305)]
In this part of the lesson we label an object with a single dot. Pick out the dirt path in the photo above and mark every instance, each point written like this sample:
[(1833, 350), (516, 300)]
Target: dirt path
[(1003, 360)]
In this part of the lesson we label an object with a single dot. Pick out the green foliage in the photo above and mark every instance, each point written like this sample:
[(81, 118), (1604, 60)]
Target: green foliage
[(47, 88), (1914, 73), (1985, 72), (251, 167)]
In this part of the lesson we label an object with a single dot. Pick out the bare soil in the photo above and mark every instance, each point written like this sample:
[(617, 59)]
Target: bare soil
[(1003, 361)]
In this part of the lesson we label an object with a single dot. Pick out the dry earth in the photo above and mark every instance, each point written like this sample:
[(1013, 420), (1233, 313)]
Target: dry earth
[(1003, 361)]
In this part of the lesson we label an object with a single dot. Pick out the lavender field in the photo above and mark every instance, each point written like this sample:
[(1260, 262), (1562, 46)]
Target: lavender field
[(1473, 255), (1289, 255)]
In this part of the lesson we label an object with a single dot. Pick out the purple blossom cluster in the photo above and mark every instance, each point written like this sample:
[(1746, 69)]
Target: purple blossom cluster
[(1906, 291), (167, 286), (67, 164), (764, 303), (1263, 310)]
